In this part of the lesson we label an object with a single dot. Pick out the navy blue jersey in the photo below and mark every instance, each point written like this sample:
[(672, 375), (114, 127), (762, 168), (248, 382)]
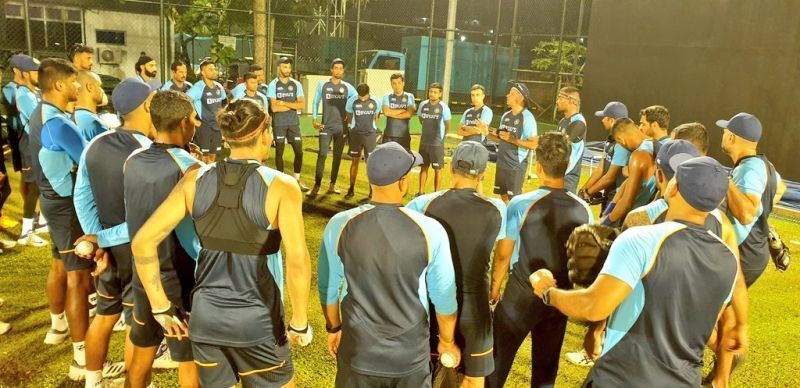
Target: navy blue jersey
[(289, 91), (540, 222), (237, 300), (89, 123), (383, 262), (397, 127), (614, 155), (363, 114), (657, 213), (170, 85), (473, 224), (150, 175), (433, 118), (56, 146), (681, 277), (520, 126), (99, 197), (470, 118), (259, 98), (334, 99), (207, 103)]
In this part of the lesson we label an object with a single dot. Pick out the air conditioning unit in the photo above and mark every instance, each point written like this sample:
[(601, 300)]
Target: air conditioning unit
[(110, 55)]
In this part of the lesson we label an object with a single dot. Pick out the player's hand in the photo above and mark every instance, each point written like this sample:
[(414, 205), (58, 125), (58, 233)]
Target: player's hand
[(737, 340), (3, 177), (493, 304), (171, 320), (505, 136), (194, 149), (593, 344), (101, 263), (482, 127), (300, 337), (333, 343), (542, 280), (450, 349), (317, 126), (92, 239)]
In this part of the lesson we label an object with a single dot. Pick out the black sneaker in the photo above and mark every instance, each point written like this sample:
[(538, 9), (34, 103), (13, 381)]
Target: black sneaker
[(314, 191), (350, 194)]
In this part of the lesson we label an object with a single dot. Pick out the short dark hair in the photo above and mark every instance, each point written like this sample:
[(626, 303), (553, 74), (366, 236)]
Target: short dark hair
[(168, 108), (52, 70), (396, 76), (478, 87), (362, 89), (255, 68), (79, 48), (570, 90), (694, 133), (553, 153), (249, 75), (623, 125), (143, 60), (656, 114), (436, 85), (205, 62), (239, 119), (175, 65)]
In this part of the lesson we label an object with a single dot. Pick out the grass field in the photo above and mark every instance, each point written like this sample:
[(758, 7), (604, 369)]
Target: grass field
[(26, 362)]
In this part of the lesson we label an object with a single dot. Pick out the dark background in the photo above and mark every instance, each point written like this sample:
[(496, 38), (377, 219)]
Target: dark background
[(703, 60)]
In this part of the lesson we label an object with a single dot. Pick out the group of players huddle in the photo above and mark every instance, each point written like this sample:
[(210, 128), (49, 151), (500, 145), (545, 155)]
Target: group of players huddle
[(183, 243)]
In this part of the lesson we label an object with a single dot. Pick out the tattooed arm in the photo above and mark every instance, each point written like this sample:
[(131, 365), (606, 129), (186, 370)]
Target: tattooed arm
[(160, 224)]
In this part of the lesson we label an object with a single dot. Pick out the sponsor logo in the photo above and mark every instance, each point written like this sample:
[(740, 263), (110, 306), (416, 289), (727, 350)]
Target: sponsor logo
[(280, 87), (328, 89), (211, 101), (341, 90), (516, 122), (364, 112), (284, 95), (437, 110), (428, 116), (329, 96), (371, 106), (405, 99), (291, 88)]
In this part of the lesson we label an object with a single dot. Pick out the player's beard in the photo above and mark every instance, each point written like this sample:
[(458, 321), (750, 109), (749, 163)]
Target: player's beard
[(149, 74)]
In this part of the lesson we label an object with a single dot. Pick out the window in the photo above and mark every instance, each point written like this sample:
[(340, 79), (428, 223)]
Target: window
[(110, 37), (52, 27)]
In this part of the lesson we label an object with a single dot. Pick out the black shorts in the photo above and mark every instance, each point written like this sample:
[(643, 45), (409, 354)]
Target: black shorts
[(265, 365), (346, 377), (509, 182), (287, 134), (432, 155), (27, 161), (114, 284), (474, 337), (404, 141), (362, 143), (146, 332), (64, 230), (209, 140)]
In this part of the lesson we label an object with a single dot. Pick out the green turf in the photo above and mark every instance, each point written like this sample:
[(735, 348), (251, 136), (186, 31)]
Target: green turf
[(26, 362)]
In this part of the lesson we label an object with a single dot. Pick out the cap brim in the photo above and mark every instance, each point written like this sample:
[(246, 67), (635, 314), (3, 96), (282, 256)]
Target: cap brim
[(417, 159), (677, 159), (600, 113), (723, 123)]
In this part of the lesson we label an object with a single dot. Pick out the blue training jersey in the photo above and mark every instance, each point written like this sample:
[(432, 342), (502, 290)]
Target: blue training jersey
[(521, 126), (89, 123), (207, 103)]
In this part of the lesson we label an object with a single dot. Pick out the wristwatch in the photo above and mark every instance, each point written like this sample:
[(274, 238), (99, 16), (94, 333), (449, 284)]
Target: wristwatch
[(333, 330), (546, 296)]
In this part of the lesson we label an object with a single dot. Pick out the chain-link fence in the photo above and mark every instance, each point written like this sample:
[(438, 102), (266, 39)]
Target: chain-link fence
[(540, 42)]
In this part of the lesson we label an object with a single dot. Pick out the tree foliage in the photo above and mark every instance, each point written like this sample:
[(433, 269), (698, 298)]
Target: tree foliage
[(571, 55)]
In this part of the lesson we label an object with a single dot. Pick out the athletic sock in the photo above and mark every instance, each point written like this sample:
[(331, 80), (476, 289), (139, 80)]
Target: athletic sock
[(27, 226), (79, 352), (93, 378), (42, 221), (58, 322), (297, 176)]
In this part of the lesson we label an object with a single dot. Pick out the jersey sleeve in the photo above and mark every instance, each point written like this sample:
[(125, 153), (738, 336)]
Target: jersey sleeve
[(65, 135), (751, 177), (487, 115), (576, 131), (514, 215), (317, 99), (412, 101), (630, 257), (621, 156), (299, 89), (529, 129), (420, 203), (501, 207), (330, 270), (26, 103), (349, 105), (385, 100), (237, 92), (446, 116), (271, 90), (84, 200), (440, 276), (351, 91)]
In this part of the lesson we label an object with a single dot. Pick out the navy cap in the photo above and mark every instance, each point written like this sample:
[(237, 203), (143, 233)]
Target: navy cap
[(337, 60), (389, 162), (522, 89), (129, 95), (743, 125), (673, 153), (24, 62), (614, 109), (283, 60), (702, 182), (470, 157)]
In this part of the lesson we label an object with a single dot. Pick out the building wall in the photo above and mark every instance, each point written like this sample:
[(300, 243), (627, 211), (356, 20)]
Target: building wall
[(704, 61), (141, 35)]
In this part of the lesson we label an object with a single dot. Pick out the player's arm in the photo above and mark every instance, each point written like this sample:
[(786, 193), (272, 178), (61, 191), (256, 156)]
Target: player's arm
[(638, 167), (530, 143), (160, 224), (595, 303), (743, 206), (441, 281), (315, 104), (780, 191), (500, 265), (330, 275), (596, 174), (606, 180), (298, 261)]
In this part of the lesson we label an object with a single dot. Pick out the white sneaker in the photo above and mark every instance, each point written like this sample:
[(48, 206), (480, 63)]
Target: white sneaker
[(579, 358), (55, 337), (7, 244), (31, 239), (41, 229), (113, 369), (4, 327), (163, 359), (76, 372), (120, 325)]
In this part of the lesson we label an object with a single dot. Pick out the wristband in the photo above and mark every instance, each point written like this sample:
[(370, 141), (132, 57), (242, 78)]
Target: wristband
[(546, 296), (298, 331), (333, 330)]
